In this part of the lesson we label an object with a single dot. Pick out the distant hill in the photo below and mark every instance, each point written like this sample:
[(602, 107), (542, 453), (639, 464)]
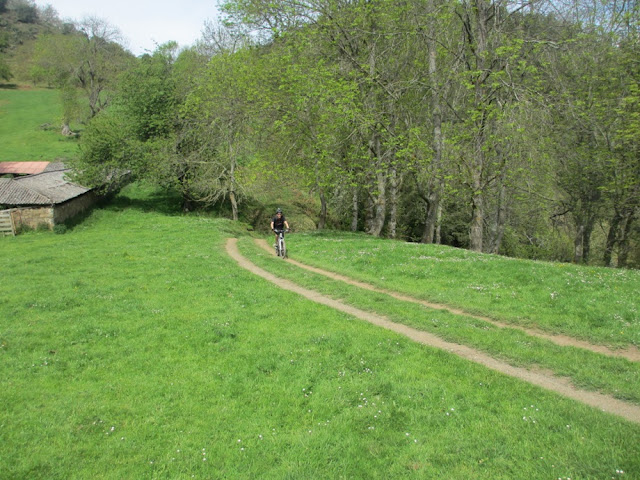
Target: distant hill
[(21, 21)]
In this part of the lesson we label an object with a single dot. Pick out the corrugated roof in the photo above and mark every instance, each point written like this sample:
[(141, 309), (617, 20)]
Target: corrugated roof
[(11, 193), (22, 168), (46, 188)]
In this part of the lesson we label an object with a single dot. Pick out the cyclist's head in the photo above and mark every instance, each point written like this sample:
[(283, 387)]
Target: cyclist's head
[(279, 210)]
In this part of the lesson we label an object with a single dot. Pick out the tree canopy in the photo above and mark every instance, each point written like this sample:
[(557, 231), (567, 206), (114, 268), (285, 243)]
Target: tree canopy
[(503, 127)]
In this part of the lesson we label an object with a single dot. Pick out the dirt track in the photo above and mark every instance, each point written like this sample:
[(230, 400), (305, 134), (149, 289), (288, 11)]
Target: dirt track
[(631, 353), (603, 402)]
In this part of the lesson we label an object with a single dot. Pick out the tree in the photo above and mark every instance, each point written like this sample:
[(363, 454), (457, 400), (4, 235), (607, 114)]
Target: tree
[(622, 185), (87, 58), (219, 117), (5, 71), (25, 10)]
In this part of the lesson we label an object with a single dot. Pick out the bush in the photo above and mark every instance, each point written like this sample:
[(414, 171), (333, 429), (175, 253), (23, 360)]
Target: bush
[(26, 12)]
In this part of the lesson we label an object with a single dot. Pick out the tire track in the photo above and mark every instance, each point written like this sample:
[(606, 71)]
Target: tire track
[(632, 354), (600, 401)]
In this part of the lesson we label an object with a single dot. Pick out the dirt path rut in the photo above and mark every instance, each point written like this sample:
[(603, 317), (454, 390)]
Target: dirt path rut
[(631, 353), (603, 402)]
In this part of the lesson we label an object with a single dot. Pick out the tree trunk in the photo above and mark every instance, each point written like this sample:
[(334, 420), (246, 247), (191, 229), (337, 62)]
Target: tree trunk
[(433, 204), (354, 210), (368, 213), (438, 223), (586, 249), (232, 191), (612, 239), (379, 206), (625, 244), (482, 18), (379, 200), (497, 230), (476, 230), (66, 130), (187, 203), (578, 245), (393, 207), (322, 221)]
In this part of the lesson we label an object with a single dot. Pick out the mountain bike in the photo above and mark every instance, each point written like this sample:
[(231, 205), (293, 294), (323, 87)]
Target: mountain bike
[(281, 248)]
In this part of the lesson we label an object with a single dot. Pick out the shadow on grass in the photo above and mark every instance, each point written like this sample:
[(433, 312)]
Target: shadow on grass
[(8, 86), (165, 202)]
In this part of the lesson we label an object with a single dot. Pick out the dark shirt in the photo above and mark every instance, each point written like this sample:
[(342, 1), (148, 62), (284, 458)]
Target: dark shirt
[(278, 223)]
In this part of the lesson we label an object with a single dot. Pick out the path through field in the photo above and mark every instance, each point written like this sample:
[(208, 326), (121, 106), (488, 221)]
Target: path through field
[(631, 353), (603, 402)]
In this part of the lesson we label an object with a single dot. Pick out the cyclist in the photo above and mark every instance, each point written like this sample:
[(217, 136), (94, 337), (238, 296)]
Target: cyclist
[(278, 222)]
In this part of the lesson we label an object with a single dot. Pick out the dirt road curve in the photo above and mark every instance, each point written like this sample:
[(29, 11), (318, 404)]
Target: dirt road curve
[(605, 403)]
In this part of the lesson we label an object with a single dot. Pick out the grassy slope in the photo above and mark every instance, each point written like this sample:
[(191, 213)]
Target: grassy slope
[(22, 113), (615, 376), (593, 303), (133, 347)]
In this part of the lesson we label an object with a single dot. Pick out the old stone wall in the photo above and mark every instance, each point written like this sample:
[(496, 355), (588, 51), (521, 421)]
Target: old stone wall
[(47, 217), (32, 217), (73, 207)]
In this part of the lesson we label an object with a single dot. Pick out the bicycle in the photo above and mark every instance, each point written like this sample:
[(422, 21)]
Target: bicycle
[(281, 248)]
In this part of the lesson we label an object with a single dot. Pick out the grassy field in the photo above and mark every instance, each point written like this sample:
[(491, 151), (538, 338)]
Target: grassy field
[(616, 376), (592, 303), (133, 347), (30, 125)]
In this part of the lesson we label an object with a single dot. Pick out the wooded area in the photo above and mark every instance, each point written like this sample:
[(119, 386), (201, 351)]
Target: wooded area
[(503, 127)]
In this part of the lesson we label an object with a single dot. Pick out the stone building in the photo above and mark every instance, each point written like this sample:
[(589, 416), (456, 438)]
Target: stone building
[(44, 199)]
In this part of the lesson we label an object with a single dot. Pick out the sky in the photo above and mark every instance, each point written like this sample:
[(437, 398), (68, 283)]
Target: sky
[(144, 24)]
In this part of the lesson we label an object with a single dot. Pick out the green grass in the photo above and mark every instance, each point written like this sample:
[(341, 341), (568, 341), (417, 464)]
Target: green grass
[(615, 376), (133, 347), (592, 303), (22, 136)]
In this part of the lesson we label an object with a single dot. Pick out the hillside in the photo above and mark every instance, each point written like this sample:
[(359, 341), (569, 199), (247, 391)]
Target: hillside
[(21, 22), (30, 120)]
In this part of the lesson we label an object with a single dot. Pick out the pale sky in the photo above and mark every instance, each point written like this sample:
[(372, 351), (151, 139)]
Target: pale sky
[(143, 23)]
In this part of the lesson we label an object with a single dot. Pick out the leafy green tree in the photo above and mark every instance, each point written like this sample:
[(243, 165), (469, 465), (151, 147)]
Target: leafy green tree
[(218, 125), (136, 132), (5, 71), (622, 185), (24, 10)]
